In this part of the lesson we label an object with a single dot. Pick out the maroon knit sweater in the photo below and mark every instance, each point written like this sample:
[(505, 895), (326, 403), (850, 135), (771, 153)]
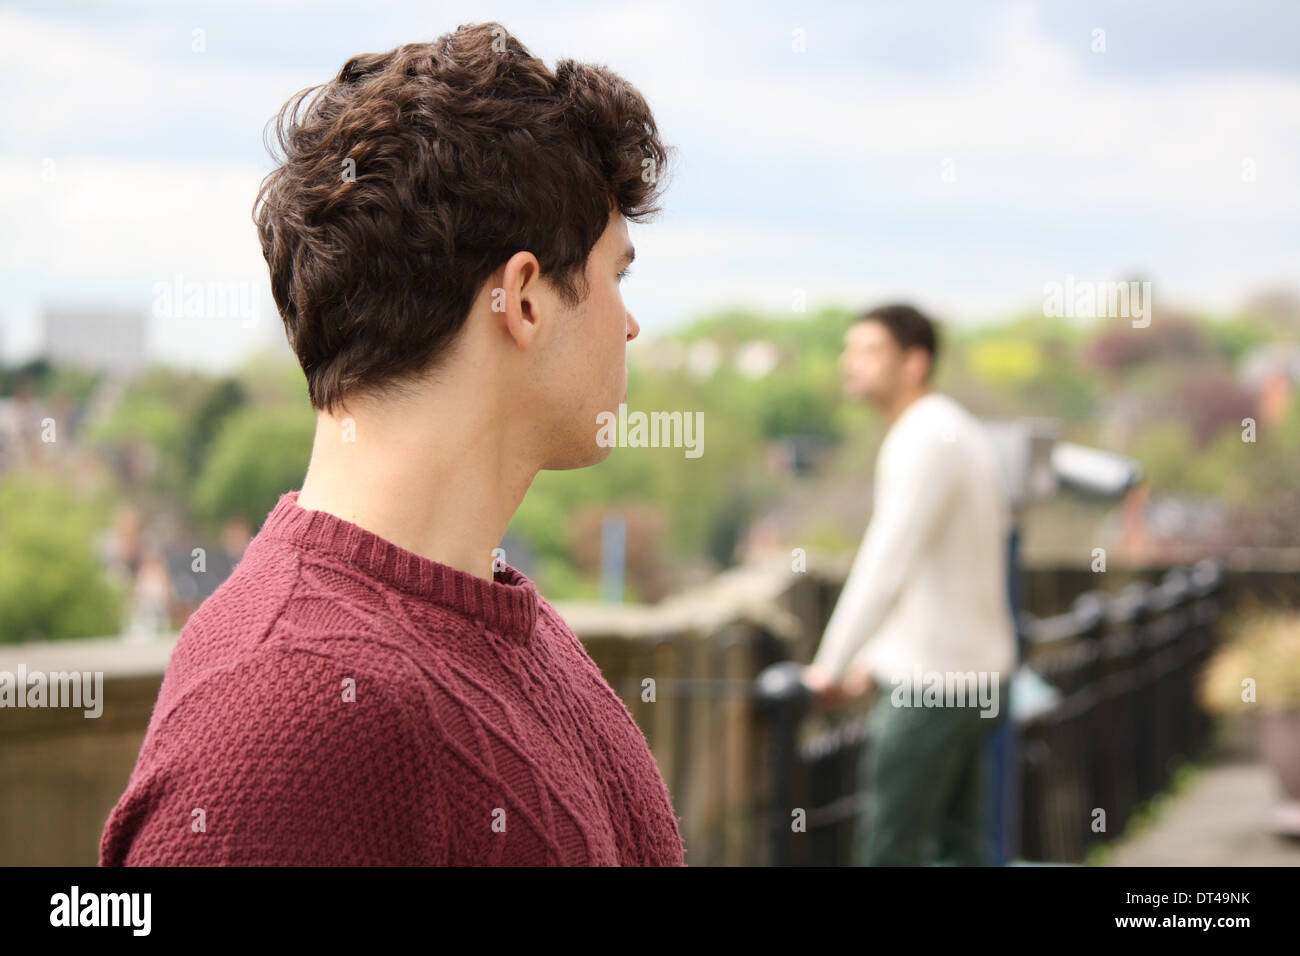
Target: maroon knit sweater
[(340, 700)]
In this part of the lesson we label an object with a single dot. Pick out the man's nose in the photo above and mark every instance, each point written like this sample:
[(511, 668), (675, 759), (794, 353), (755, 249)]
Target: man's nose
[(633, 328)]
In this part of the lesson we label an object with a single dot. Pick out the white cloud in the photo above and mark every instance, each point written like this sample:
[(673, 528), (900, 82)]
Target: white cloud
[(107, 217), (1064, 164)]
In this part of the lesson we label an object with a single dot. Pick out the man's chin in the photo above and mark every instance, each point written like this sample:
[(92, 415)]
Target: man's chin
[(592, 455)]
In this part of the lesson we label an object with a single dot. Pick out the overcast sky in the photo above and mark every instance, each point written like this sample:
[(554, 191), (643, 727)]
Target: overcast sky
[(958, 154)]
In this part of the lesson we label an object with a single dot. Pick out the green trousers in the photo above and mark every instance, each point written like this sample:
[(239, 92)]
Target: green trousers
[(924, 773)]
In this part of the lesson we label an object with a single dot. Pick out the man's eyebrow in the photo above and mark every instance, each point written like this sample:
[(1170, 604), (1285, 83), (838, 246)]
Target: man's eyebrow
[(629, 254)]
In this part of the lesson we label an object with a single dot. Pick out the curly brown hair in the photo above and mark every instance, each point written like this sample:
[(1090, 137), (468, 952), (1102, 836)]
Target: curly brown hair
[(413, 174)]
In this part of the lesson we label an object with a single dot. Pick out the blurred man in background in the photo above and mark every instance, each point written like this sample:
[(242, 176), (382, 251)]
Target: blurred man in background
[(924, 603)]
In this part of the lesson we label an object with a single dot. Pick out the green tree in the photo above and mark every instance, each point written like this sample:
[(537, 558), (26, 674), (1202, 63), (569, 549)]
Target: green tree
[(258, 454), (175, 413), (52, 584)]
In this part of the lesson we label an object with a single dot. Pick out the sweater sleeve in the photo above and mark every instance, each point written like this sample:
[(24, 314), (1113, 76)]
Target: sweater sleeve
[(917, 482), (277, 762)]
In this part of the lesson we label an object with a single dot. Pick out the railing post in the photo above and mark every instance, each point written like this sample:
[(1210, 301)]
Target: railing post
[(782, 698), (1207, 579), (1004, 789), (1057, 763)]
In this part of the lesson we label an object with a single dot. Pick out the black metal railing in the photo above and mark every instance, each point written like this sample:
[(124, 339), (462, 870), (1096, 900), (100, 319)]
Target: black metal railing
[(1125, 668), (1128, 668)]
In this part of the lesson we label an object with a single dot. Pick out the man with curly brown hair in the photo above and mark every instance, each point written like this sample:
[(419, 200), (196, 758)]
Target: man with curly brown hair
[(374, 684)]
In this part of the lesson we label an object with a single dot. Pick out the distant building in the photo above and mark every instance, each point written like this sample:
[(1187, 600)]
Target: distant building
[(703, 358), (100, 339), (1271, 372), (757, 358), (168, 579), (1152, 528), (21, 425), (662, 354)]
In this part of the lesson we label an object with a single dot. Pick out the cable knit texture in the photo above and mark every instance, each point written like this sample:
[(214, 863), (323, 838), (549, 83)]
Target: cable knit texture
[(340, 700)]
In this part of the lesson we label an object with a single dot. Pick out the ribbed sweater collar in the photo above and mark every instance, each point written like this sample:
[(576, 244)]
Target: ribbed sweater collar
[(508, 604)]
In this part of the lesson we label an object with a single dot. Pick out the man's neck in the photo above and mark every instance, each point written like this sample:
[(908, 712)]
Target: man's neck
[(902, 402), (445, 493)]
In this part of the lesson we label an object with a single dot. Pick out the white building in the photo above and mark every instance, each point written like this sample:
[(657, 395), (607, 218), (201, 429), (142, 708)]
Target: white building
[(102, 339)]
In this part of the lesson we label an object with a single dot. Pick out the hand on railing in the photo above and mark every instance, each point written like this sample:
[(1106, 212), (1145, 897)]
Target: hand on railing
[(828, 693), (858, 683)]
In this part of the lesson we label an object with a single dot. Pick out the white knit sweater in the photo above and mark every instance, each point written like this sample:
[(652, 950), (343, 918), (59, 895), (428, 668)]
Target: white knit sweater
[(928, 589)]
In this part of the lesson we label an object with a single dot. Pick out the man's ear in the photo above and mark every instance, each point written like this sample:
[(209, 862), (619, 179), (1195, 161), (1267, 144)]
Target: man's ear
[(917, 362), (520, 300), (927, 373)]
